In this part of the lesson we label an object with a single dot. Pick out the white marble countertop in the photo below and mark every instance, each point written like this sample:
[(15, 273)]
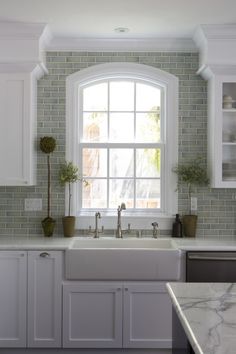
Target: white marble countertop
[(207, 312), (62, 243)]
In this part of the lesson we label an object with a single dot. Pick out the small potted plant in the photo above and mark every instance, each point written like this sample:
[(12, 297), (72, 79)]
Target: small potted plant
[(48, 145), (68, 174), (193, 174)]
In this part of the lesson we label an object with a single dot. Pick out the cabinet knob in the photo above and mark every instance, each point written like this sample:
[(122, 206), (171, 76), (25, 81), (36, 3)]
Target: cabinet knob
[(44, 254), (126, 289), (118, 289)]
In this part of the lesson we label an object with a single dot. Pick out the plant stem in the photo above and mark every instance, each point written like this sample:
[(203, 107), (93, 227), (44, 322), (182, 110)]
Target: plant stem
[(69, 197), (49, 185), (189, 197)]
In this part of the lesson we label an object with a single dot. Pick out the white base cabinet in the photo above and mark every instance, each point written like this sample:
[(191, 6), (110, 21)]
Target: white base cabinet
[(147, 316), (38, 294), (13, 285), (116, 315), (92, 315), (44, 299)]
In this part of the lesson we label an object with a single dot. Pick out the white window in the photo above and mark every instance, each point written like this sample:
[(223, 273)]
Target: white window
[(122, 133)]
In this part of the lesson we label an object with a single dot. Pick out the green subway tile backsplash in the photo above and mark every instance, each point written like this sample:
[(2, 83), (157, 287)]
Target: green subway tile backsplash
[(216, 207)]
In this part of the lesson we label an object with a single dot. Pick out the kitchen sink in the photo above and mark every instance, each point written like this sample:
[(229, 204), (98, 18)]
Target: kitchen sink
[(122, 259), (129, 243)]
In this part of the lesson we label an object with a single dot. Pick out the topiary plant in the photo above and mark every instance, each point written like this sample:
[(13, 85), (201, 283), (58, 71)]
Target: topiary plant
[(193, 174), (69, 173), (47, 146)]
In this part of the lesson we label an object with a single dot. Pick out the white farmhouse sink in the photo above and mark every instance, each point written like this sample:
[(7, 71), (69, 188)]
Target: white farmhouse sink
[(122, 259)]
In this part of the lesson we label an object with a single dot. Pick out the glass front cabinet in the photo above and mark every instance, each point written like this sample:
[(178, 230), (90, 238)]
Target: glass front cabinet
[(222, 131)]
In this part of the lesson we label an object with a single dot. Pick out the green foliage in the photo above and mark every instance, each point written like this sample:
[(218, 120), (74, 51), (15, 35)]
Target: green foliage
[(47, 144), (192, 173), (69, 173)]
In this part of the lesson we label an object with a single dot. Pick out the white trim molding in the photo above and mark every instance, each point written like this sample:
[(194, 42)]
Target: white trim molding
[(216, 45), (22, 46), (124, 45), (137, 71)]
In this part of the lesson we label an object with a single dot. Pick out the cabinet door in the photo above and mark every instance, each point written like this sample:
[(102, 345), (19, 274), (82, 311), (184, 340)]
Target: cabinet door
[(17, 130), (92, 315), (13, 279), (147, 316), (44, 298)]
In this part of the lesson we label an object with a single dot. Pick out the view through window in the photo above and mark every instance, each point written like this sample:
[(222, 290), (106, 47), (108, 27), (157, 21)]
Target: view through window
[(121, 143)]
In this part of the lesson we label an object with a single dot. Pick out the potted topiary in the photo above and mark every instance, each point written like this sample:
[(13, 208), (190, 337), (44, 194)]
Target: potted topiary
[(48, 145), (193, 174), (68, 174)]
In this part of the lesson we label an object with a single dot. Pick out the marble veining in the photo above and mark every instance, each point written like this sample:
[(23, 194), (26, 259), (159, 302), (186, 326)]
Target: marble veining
[(207, 312)]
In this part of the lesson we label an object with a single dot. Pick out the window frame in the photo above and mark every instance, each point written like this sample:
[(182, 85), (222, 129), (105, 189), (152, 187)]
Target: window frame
[(151, 75)]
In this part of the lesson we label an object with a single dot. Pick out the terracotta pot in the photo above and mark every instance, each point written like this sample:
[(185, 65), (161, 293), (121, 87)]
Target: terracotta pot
[(48, 225), (189, 225), (68, 223)]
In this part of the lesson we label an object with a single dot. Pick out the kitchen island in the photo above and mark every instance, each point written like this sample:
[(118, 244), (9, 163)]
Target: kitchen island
[(207, 314)]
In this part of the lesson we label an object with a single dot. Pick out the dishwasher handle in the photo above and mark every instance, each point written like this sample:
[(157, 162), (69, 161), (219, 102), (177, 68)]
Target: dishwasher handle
[(212, 257)]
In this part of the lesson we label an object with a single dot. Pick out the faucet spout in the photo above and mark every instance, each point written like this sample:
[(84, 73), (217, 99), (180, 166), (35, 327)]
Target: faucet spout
[(119, 229)]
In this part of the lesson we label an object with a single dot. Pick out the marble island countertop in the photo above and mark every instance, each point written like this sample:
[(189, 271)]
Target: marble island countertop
[(207, 312)]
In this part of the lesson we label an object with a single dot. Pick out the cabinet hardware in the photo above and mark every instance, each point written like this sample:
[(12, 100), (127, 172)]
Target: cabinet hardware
[(44, 254), (118, 289), (126, 289)]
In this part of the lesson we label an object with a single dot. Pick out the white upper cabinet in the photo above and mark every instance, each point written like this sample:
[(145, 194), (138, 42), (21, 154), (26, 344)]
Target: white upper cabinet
[(222, 131), (17, 129), (217, 58), (21, 64)]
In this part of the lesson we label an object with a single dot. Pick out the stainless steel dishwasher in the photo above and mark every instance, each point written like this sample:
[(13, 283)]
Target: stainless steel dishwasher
[(214, 266)]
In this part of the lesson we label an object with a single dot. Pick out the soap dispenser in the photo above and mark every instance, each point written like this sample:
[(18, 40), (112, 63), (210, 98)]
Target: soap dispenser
[(177, 227)]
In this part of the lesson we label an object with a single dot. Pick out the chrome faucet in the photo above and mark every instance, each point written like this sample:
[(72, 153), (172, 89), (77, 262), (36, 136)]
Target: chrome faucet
[(96, 231), (155, 231), (119, 231)]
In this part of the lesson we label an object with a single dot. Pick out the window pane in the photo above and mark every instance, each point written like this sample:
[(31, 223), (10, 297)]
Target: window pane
[(95, 194), (121, 96), (148, 162), (121, 162), (147, 97), (148, 193), (121, 127), (148, 127), (95, 126), (121, 190), (94, 162), (95, 97)]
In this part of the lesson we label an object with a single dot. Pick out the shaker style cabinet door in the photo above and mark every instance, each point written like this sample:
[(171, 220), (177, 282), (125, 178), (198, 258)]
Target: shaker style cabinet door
[(147, 316), (13, 283), (44, 298), (92, 315), (17, 129)]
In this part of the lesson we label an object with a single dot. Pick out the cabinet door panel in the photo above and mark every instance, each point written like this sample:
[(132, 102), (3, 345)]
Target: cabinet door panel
[(147, 316), (17, 130), (92, 316), (44, 298), (13, 280)]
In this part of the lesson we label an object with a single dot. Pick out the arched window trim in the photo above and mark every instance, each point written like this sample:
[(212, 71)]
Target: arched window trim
[(136, 71)]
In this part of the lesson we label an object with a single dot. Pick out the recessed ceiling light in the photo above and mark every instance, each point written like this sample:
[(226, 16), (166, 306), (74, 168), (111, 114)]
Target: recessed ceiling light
[(121, 29)]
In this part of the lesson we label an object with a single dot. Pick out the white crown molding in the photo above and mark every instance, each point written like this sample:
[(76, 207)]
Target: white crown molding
[(207, 71), (126, 45), (217, 48), (23, 46)]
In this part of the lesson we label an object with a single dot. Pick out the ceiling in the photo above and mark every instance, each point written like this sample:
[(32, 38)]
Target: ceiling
[(99, 18)]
